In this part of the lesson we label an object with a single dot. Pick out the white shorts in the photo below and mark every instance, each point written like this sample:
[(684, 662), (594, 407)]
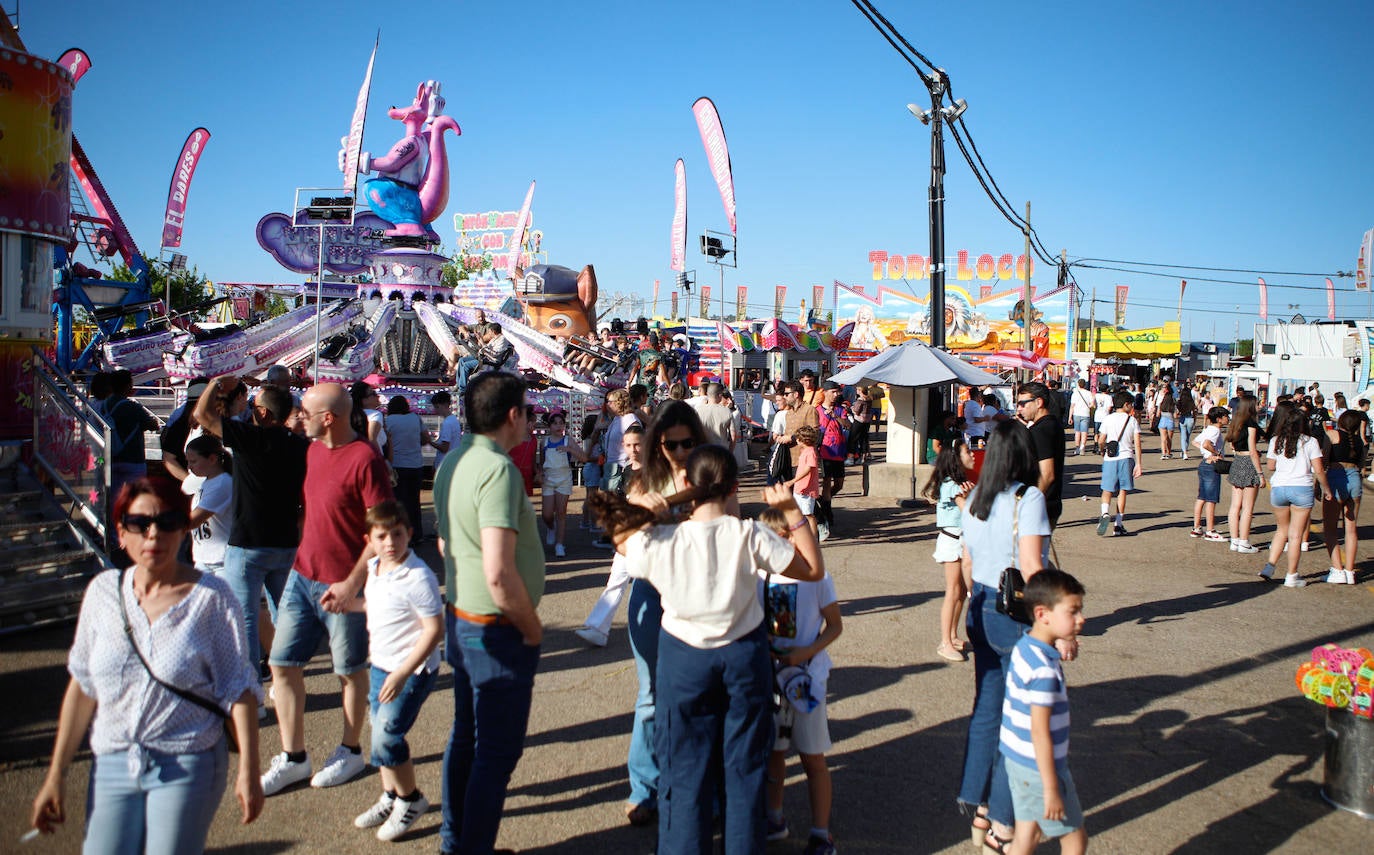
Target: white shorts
[(810, 732), (805, 504), (948, 548), (558, 481)]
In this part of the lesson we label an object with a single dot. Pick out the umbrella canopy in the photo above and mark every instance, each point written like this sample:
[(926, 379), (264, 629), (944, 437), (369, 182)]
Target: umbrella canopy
[(915, 364), (1019, 359)]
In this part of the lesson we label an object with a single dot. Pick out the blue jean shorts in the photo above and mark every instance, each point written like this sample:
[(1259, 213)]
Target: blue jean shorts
[(1082, 423), (1028, 798), (391, 721), (301, 621), (1208, 483), (1118, 475), (1166, 423), (1296, 497), (1346, 484)]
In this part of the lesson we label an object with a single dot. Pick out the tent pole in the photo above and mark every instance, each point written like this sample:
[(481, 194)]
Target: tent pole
[(912, 503)]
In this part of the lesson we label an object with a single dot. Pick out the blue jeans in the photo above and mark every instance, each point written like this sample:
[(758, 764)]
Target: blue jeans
[(460, 374), (301, 620), (715, 723), (646, 613), (1185, 430), (167, 808), (993, 636), (493, 680), (391, 721), (247, 571)]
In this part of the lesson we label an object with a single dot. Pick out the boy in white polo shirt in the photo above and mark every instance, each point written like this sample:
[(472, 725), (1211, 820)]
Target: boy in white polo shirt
[(404, 624)]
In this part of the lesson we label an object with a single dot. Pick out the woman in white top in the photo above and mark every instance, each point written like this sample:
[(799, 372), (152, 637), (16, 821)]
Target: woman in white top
[(160, 757), (556, 455), (367, 417), (1295, 459), (408, 438), (212, 505)]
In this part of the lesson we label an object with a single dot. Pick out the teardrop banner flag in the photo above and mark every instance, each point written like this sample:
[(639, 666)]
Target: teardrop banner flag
[(522, 224), (180, 188), (717, 154), (1362, 263), (1264, 300), (1330, 300), (679, 248), (354, 147), (76, 62)]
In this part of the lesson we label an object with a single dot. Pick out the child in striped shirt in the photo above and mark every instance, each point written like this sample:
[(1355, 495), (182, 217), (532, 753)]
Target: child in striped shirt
[(1035, 720)]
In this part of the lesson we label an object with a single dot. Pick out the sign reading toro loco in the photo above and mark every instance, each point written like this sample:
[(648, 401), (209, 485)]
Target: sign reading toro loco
[(985, 267)]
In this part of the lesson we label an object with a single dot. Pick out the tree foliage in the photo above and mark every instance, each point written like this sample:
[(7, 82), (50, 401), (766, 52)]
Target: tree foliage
[(188, 286)]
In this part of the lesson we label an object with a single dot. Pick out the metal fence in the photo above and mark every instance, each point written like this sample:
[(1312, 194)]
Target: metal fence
[(71, 439)]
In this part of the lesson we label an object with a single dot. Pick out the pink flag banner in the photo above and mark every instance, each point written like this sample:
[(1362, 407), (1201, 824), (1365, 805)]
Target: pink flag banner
[(522, 224), (653, 310), (674, 302), (1122, 292), (779, 297), (76, 62), (818, 301), (353, 150), (741, 300), (717, 154), (1330, 300), (1362, 263), (1264, 300), (180, 188), (705, 301), (679, 248)]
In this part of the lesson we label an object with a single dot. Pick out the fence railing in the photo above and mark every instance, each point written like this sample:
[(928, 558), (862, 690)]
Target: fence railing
[(71, 442)]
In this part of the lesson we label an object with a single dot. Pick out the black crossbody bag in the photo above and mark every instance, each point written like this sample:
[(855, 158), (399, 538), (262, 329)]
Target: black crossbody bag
[(204, 703), (1011, 587)]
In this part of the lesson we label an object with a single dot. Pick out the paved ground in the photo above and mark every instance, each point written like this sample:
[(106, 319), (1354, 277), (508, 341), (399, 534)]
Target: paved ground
[(1188, 733)]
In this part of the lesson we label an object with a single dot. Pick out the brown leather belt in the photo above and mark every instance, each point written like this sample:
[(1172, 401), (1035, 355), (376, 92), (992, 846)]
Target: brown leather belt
[(482, 620)]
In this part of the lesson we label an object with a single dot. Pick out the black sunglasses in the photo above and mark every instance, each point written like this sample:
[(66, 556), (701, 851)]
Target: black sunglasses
[(165, 521), (1022, 401), (674, 444)]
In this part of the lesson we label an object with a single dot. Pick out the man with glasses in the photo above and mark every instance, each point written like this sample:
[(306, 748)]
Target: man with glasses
[(798, 414), (1047, 436), (494, 579)]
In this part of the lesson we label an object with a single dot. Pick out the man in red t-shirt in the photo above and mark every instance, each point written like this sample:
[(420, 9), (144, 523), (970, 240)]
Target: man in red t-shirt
[(344, 476)]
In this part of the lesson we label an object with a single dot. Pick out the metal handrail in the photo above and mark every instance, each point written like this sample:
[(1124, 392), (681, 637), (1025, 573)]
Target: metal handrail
[(72, 403)]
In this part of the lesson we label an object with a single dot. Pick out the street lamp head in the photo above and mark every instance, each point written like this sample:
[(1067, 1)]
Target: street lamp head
[(923, 115), (955, 110)]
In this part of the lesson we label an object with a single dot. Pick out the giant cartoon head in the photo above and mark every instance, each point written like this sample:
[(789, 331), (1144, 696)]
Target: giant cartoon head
[(558, 302)]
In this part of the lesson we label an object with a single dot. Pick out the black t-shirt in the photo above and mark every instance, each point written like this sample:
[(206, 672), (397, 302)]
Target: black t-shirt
[(269, 471), (1241, 444), (1048, 436)]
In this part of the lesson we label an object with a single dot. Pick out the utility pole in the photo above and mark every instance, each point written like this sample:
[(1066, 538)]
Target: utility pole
[(1026, 293), (1092, 331)]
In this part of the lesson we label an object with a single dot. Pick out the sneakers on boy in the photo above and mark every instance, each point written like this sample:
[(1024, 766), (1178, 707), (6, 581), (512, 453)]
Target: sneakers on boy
[(403, 816), (1119, 530), (341, 767), (820, 846), (378, 813), (1197, 532), (1293, 580), (591, 635), (777, 830), (1103, 524), (283, 773)]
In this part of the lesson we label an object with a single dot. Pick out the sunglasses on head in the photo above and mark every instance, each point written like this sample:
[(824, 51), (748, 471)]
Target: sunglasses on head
[(674, 444), (165, 521)]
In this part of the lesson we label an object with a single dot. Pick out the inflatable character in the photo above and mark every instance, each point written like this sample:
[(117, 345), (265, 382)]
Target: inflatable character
[(558, 302), (411, 187), (1040, 331)]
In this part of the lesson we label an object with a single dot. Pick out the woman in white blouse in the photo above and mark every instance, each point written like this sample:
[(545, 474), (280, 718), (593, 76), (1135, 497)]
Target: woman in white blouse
[(159, 741)]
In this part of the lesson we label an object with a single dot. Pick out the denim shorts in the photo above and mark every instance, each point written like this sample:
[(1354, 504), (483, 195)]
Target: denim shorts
[(1208, 483), (1166, 423), (591, 475), (805, 504), (1028, 798), (1297, 497), (1346, 484), (1081, 423), (301, 620), (1118, 475), (391, 721)]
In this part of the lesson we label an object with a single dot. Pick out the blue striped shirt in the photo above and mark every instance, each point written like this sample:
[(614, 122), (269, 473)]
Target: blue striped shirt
[(1035, 678)]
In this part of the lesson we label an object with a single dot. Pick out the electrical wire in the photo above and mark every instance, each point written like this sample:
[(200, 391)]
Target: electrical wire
[(865, 7), (871, 12), (1197, 278), (1212, 269)]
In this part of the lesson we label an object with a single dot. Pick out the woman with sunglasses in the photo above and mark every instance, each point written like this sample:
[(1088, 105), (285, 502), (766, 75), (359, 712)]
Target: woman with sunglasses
[(159, 661)]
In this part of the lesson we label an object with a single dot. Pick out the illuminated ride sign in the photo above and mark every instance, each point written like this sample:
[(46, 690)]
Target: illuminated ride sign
[(484, 241)]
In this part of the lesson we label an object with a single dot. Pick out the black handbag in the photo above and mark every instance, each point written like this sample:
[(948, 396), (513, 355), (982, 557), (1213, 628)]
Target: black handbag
[(1222, 466), (1011, 587)]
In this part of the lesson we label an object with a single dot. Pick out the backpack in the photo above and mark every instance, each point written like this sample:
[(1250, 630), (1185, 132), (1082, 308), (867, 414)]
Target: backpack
[(834, 438)]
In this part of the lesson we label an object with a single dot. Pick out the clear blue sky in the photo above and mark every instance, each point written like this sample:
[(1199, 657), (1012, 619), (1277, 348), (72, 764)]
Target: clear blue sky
[(1224, 134)]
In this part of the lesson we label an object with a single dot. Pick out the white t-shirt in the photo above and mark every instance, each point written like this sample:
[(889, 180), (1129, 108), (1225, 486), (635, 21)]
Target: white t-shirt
[(973, 411), (795, 608), (407, 441), (396, 601), (705, 575), (1081, 403), (210, 538), (1112, 427), (1104, 407), (1212, 434), (450, 431), (1295, 471), (376, 416), (615, 437), (779, 425)]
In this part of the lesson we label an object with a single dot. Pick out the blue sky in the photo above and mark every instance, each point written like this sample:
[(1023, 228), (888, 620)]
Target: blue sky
[(1222, 134)]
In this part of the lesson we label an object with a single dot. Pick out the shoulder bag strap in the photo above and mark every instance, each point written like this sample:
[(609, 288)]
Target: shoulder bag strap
[(181, 693), (1016, 527), (1124, 425)]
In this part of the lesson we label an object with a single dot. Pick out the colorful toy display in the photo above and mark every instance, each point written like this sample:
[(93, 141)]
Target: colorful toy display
[(1339, 678)]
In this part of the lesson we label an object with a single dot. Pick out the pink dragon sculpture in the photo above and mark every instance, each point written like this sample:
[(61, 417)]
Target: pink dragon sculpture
[(411, 187)]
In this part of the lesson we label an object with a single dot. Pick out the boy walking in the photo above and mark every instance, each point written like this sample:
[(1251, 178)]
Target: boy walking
[(1121, 465), (1035, 719), (405, 622)]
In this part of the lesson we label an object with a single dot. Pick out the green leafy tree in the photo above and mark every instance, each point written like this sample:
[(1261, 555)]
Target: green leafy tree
[(188, 287), (1245, 348)]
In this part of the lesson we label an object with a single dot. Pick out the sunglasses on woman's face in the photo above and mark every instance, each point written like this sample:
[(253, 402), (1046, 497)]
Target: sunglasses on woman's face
[(674, 444), (165, 521)]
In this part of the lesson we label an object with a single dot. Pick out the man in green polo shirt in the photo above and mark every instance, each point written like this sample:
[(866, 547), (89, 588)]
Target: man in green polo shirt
[(494, 573)]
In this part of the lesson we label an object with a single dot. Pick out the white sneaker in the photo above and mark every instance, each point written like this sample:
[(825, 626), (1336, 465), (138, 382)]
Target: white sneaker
[(591, 635), (1335, 577), (1245, 546), (283, 773), (548, 538), (560, 551), (822, 532), (1349, 576), (341, 767), (378, 813), (1293, 580), (403, 816)]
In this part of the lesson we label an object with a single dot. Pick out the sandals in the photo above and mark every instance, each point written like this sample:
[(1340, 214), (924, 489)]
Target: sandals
[(996, 845), (946, 652), (979, 832)]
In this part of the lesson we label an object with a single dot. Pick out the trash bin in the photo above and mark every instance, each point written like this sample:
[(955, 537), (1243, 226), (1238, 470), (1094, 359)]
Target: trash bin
[(1349, 780)]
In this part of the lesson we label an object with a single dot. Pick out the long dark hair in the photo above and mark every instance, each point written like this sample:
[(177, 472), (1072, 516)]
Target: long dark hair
[(948, 467), (713, 472), (1167, 404), (1010, 460), (1187, 407), (656, 469), (1289, 427), (1242, 419)]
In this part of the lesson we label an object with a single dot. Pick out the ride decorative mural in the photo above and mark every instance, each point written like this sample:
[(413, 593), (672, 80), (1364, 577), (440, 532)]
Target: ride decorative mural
[(35, 147)]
